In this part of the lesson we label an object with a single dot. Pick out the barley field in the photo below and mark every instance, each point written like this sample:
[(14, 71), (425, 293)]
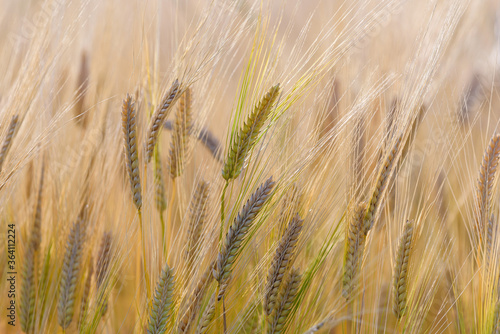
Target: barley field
[(249, 166)]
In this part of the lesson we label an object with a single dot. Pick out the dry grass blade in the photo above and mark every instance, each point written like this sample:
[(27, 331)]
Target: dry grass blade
[(131, 153), (70, 273), (278, 318), (158, 119), (401, 268), (237, 232), (283, 260), (354, 248), (246, 138), (162, 302), (7, 142), (180, 139), (485, 183)]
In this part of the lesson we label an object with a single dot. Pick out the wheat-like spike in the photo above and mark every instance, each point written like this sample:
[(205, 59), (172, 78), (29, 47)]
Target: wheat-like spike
[(161, 303), (237, 232), (131, 153), (36, 235), (195, 300), (85, 295), (198, 212), (401, 267), (354, 248), (103, 260), (379, 187), (160, 198), (7, 142), (485, 182), (180, 139), (27, 291), (246, 138), (158, 119), (70, 273), (279, 315), (207, 316), (289, 208), (283, 259)]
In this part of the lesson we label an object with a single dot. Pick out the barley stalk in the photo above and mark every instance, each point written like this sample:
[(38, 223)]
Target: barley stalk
[(283, 259), (401, 267), (237, 232), (158, 119), (162, 302)]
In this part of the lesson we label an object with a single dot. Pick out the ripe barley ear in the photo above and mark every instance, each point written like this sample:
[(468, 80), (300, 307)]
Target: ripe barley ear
[(401, 267), (7, 142), (197, 216), (179, 146)]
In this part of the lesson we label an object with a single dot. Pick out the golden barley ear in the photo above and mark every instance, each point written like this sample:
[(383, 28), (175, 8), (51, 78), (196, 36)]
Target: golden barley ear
[(401, 269), (487, 173), (131, 154), (237, 232), (278, 318), (354, 248), (161, 304), (27, 291), (247, 136), (7, 142), (194, 303), (282, 261), (179, 145), (70, 272), (160, 198), (158, 119), (207, 317), (198, 213), (103, 261)]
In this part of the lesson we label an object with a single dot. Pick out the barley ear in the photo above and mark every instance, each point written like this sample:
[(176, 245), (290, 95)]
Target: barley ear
[(102, 269), (162, 302), (7, 142), (354, 248), (282, 261), (197, 217), (279, 316), (179, 146), (207, 317), (236, 234), (70, 273), (487, 172), (401, 267), (246, 138), (27, 291), (158, 119), (131, 154), (84, 305)]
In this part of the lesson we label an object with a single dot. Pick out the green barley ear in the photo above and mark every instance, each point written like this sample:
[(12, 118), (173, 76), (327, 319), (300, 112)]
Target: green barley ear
[(401, 267), (237, 232), (283, 259), (7, 142), (485, 183), (158, 119), (180, 139), (161, 304), (246, 138), (198, 212), (353, 254), (279, 316), (131, 154), (70, 273)]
